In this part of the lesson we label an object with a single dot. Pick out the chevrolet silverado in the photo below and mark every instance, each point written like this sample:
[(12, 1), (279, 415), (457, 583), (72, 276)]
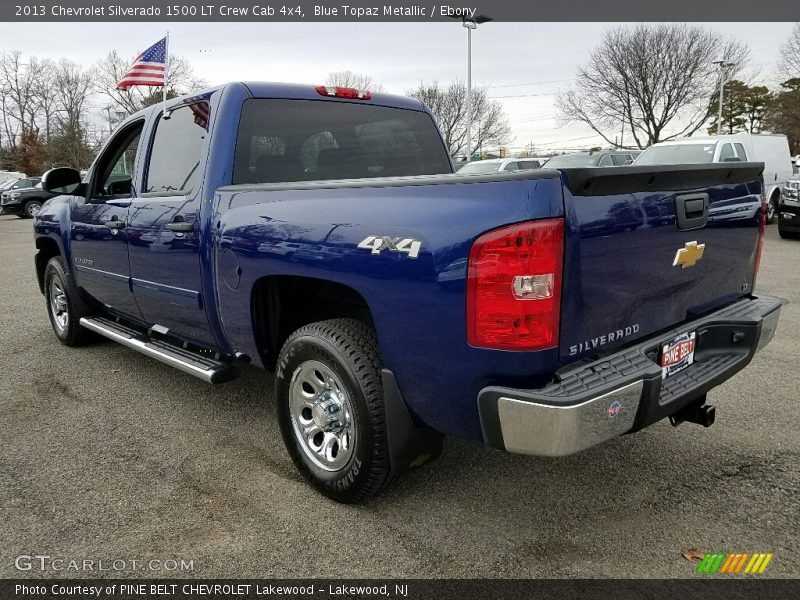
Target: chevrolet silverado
[(320, 232)]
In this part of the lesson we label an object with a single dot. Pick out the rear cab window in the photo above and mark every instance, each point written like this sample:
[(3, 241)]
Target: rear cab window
[(307, 140)]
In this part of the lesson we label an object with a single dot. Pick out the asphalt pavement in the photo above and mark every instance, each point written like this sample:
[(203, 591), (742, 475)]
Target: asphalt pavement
[(108, 455)]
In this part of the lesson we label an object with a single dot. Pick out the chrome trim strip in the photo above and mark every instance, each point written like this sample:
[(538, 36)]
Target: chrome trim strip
[(140, 346), (539, 429)]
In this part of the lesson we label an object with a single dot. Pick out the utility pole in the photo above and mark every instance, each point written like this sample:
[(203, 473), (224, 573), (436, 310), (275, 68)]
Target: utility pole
[(723, 75)]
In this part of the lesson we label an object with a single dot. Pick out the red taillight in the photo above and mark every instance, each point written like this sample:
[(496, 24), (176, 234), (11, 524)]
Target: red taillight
[(514, 286), (344, 92), (762, 223)]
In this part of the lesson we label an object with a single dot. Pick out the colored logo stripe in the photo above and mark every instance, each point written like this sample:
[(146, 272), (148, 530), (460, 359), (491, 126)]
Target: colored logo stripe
[(721, 562)]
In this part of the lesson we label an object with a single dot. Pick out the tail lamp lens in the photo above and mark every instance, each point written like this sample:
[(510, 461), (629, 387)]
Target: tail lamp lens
[(514, 286)]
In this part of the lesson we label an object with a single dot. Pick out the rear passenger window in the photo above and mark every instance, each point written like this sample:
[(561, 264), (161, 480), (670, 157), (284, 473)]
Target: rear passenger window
[(175, 155), (605, 161), (740, 151), (622, 160)]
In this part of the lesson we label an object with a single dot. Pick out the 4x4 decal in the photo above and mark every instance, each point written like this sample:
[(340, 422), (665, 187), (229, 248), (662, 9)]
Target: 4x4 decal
[(378, 243)]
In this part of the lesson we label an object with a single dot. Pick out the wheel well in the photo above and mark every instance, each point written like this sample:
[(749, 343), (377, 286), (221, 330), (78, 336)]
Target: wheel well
[(48, 248), (775, 192), (283, 303)]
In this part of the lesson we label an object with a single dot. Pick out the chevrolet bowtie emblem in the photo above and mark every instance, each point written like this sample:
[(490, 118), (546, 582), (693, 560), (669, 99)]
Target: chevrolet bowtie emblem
[(689, 255)]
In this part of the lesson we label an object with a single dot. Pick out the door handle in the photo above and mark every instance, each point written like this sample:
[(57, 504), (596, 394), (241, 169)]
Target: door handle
[(115, 224), (183, 226)]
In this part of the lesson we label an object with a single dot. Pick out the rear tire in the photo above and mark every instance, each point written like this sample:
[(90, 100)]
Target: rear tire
[(331, 410), (65, 307)]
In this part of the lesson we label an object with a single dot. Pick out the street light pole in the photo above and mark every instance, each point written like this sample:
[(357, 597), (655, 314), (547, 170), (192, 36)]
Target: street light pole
[(471, 23), (723, 66)]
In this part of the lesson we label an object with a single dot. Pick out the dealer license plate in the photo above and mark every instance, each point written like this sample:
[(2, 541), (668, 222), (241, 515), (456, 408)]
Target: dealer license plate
[(677, 354)]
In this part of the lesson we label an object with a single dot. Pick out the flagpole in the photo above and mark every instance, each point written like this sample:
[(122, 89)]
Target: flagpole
[(166, 75)]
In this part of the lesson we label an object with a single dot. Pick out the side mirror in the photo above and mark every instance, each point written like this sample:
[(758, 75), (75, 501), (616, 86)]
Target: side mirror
[(61, 180)]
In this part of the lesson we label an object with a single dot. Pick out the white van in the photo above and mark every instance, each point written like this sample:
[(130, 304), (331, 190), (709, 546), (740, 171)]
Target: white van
[(6, 175), (772, 150)]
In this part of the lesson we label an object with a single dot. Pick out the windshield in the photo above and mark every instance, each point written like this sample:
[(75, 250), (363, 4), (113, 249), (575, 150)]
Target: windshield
[(572, 160), (479, 168), (7, 184), (677, 154)]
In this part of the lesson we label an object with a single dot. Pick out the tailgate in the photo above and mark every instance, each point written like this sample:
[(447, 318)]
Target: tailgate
[(649, 247)]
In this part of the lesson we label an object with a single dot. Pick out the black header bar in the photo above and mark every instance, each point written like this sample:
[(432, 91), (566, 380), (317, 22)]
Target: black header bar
[(366, 11)]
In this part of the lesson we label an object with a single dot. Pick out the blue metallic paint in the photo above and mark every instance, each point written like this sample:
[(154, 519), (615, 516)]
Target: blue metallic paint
[(418, 306), (314, 233), (618, 268)]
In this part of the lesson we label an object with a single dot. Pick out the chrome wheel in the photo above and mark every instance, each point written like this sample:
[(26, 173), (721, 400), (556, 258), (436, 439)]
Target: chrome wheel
[(58, 306), (770, 210), (33, 209), (322, 416)]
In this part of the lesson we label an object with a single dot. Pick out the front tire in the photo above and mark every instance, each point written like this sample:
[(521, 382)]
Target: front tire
[(787, 235), (64, 305), (331, 410), (772, 209), (31, 209)]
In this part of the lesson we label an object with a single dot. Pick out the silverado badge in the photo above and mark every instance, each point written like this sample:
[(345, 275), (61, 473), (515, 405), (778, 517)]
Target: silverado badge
[(689, 255)]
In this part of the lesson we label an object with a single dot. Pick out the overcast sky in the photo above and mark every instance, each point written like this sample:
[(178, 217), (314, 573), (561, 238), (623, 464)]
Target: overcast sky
[(531, 61)]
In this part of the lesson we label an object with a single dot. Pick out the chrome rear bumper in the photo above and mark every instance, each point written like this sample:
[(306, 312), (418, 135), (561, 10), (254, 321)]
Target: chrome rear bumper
[(590, 403)]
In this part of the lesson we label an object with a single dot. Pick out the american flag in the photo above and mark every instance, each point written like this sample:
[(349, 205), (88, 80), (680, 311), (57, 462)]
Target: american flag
[(149, 68), (200, 110)]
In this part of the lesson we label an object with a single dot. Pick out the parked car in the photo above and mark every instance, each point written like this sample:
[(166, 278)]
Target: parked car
[(416, 302), (601, 158), (498, 165), (24, 201), (7, 184), (772, 150), (789, 210), (20, 183)]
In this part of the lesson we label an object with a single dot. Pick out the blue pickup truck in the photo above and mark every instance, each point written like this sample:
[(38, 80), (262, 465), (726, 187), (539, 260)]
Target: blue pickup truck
[(320, 232)]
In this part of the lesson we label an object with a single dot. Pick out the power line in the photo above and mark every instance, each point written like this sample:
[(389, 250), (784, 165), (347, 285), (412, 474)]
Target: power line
[(586, 137), (531, 83), (525, 95)]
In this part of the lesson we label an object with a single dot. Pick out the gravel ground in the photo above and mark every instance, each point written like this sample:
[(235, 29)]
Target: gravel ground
[(105, 453)]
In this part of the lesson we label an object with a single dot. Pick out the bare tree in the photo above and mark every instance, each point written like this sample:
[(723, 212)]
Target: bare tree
[(652, 78), (21, 86), (45, 97), (73, 87), (449, 106), (353, 80), (181, 79), (789, 65)]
